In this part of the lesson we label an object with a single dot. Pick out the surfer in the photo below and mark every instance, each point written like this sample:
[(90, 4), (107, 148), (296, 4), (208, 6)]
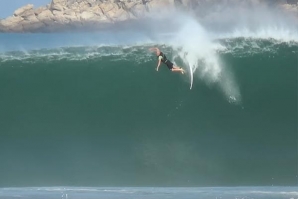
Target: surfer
[(162, 58)]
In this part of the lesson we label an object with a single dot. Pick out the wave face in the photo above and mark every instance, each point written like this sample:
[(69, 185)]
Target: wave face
[(90, 109)]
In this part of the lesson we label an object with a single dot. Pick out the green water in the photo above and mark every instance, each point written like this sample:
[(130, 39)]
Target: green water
[(109, 119)]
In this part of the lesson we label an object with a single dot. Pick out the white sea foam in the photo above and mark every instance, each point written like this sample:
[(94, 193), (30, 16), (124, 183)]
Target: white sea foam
[(198, 51), (197, 42)]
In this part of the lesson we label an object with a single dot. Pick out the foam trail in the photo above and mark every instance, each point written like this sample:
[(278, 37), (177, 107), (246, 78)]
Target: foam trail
[(194, 45)]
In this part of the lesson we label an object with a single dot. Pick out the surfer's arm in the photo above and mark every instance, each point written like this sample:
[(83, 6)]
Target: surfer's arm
[(153, 49), (156, 50), (159, 61)]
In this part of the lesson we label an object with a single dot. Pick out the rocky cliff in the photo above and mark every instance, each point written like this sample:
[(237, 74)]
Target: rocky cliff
[(60, 15)]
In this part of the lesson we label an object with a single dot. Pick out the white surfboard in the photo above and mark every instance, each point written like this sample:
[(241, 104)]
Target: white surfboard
[(191, 76)]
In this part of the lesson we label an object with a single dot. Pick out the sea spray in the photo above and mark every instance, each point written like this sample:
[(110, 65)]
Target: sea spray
[(197, 50)]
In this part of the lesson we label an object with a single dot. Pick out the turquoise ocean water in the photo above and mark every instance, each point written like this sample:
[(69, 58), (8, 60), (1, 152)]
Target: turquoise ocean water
[(89, 110)]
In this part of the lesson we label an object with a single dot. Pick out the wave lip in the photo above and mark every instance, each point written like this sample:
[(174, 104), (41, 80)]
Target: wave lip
[(198, 51)]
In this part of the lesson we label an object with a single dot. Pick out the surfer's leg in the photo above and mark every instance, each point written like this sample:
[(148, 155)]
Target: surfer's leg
[(174, 68), (177, 69)]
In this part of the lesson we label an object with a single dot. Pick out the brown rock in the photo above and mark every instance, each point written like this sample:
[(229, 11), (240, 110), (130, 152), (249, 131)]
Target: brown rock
[(107, 7), (39, 10), (96, 10), (2, 27), (72, 18), (60, 18), (31, 18), (161, 6), (12, 21), (27, 14), (141, 10), (57, 7), (88, 16), (72, 5), (23, 9), (118, 15), (13, 24), (16, 28), (59, 2), (45, 14), (46, 17), (84, 6), (63, 14), (32, 24)]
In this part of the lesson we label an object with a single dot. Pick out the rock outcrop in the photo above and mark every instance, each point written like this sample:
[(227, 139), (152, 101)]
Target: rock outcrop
[(61, 15)]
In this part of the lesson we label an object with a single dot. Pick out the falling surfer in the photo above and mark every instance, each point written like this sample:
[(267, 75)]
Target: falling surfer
[(162, 58)]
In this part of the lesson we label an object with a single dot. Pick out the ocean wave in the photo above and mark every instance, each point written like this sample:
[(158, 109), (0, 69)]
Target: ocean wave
[(236, 46), (203, 61), (74, 53)]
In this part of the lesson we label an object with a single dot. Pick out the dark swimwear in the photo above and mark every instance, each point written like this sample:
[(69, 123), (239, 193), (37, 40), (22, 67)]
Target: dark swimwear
[(165, 61)]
